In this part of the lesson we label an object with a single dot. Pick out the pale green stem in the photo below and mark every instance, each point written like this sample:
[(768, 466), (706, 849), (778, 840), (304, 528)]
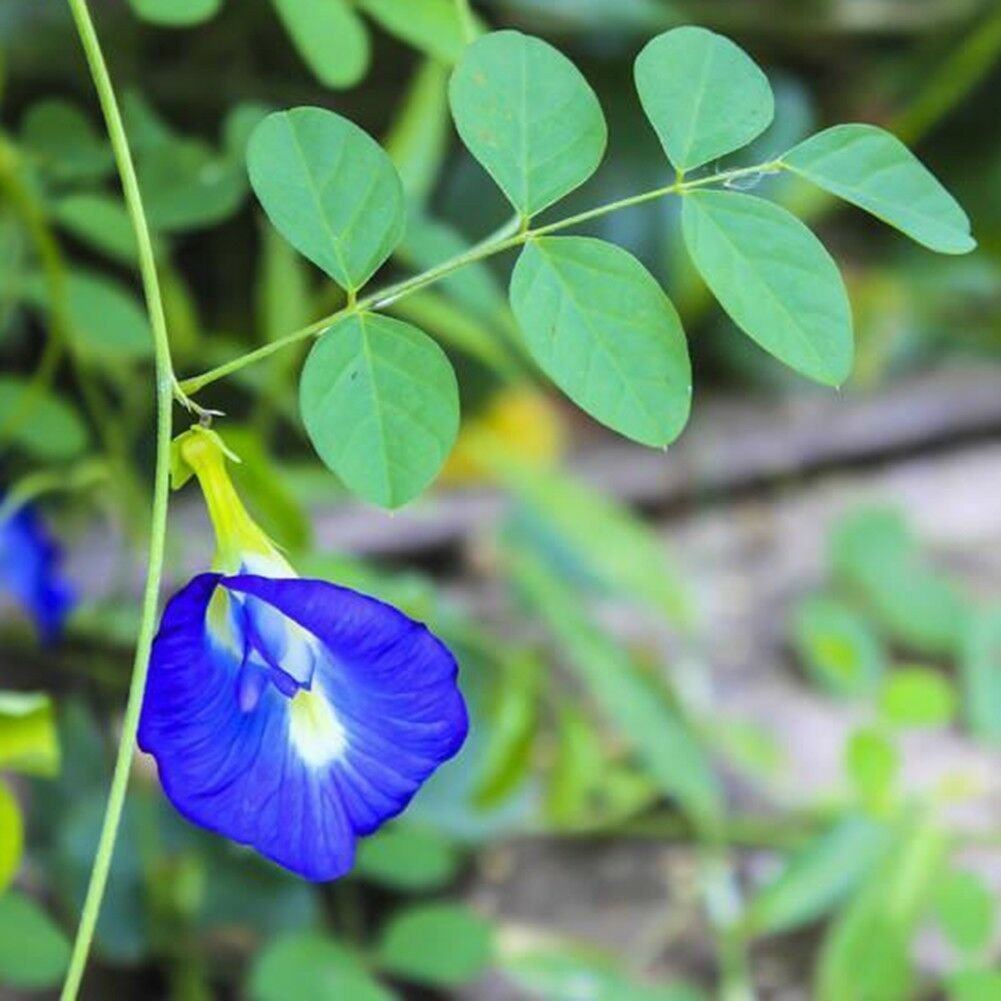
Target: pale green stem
[(468, 21), (165, 386), (507, 238)]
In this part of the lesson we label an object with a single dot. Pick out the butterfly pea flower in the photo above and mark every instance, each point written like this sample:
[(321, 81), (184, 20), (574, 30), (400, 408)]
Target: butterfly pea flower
[(290, 715), (31, 571)]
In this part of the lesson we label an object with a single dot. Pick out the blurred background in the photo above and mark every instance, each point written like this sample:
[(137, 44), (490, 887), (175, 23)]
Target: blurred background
[(736, 705)]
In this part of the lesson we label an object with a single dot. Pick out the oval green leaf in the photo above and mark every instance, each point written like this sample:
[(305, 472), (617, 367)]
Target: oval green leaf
[(446, 944), (704, 96), (381, 405), (873, 169), (33, 950), (100, 221), (603, 330), (329, 189), (529, 117), (329, 36), (775, 280)]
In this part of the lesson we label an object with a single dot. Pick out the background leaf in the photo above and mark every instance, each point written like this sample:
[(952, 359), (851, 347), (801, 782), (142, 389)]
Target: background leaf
[(528, 116), (917, 697), (704, 95), (176, 13), (873, 169), (775, 280), (28, 740), (966, 910), (441, 944), (407, 859), (11, 836), (309, 966), (329, 189), (330, 37), (603, 330), (433, 26), (381, 405), (33, 950), (980, 672), (52, 430)]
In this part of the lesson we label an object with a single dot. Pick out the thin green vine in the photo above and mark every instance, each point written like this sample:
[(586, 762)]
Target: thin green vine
[(166, 388)]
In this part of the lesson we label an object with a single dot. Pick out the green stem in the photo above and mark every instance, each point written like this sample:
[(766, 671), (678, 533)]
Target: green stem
[(165, 387), (467, 19), (507, 238)]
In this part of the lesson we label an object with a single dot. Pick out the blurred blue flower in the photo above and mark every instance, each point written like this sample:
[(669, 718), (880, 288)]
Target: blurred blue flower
[(30, 571), (290, 715)]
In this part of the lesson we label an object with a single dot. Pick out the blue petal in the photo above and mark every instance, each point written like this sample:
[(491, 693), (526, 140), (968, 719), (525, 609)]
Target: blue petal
[(298, 774), (30, 572)]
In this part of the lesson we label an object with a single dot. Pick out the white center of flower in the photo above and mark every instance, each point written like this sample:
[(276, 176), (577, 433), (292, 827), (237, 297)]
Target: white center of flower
[(314, 728)]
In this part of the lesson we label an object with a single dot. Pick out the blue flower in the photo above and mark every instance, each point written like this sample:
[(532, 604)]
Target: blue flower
[(30, 571), (290, 715)]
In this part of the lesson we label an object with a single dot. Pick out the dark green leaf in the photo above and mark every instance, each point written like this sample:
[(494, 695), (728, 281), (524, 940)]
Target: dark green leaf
[(330, 37), (441, 944), (775, 280), (65, 143), (329, 189), (704, 96), (100, 221), (601, 328), (381, 405), (528, 116), (873, 169)]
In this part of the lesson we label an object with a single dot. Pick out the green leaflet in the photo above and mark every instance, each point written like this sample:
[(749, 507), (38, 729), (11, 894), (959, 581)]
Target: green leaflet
[(176, 13), (528, 116), (100, 221), (443, 944), (775, 280), (980, 672), (381, 405), (873, 169), (309, 966), (329, 189), (704, 96), (433, 26), (330, 37), (917, 697), (966, 910), (602, 329)]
